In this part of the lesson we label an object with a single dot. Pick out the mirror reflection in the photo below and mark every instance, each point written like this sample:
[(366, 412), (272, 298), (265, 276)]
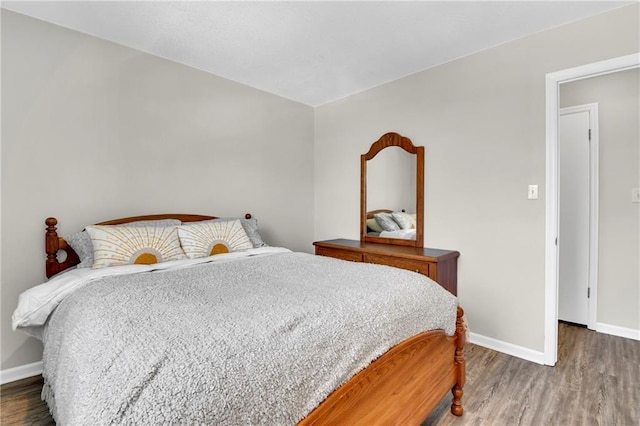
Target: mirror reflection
[(391, 194)]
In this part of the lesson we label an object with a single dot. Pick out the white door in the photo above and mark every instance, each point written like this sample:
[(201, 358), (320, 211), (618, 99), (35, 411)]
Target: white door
[(573, 242)]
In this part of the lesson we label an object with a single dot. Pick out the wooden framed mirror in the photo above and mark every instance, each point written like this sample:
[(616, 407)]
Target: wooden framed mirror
[(392, 188)]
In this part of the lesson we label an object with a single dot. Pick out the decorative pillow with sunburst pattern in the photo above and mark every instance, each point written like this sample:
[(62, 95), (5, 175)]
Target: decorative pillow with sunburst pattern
[(211, 238), (124, 245)]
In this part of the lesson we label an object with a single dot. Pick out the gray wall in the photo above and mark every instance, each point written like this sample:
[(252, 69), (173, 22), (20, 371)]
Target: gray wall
[(618, 98), (92, 131), (116, 132), (482, 121)]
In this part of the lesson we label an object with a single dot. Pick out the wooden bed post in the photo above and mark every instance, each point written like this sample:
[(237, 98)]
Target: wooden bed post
[(456, 404), (51, 246)]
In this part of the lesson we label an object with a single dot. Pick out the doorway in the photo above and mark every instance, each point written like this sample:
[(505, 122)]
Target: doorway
[(553, 81), (578, 214)]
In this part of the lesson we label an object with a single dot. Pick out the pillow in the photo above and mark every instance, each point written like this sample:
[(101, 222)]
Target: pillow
[(405, 220), (385, 220), (209, 238), (250, 227), (80, 242), (127, 245), (374, 225)]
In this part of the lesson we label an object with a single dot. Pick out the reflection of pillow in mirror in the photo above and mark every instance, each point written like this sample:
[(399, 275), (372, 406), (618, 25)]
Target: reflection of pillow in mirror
[(405, 220), (385, 220), (374, 225)]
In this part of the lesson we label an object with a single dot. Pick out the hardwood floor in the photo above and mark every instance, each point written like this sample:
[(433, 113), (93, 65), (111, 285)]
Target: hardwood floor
[(21, 404), (595, 382)]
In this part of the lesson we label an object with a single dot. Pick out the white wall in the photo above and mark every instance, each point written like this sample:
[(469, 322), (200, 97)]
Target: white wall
[(93, 131), (618, 98), (482, 121)]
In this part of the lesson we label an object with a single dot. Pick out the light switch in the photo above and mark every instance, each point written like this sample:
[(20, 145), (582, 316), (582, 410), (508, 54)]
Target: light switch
[(635, 195), (533, 192)]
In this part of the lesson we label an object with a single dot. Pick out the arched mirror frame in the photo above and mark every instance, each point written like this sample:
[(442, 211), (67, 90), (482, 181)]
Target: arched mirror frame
[(387, 140)]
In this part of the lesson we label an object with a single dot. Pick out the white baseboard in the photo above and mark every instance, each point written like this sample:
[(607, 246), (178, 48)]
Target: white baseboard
[(538, 357), (507, 348), (615, 330), (21, 372)]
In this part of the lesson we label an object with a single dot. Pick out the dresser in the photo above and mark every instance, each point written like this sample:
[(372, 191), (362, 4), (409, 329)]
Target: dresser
[(439, 265)]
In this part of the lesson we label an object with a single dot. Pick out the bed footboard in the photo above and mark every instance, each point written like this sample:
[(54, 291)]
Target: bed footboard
[(402, 386)]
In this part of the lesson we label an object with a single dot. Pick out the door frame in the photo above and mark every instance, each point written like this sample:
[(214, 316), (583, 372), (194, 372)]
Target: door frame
[(594, 144), (552, 92)]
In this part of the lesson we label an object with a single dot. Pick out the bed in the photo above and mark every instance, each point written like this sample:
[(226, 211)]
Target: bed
[(97, 329)]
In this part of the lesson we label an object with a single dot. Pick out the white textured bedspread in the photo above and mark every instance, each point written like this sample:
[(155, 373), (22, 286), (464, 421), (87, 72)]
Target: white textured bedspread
[(261, 340)]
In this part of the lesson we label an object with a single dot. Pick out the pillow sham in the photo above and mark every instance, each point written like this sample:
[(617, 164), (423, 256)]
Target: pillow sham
[(374, 225), (405, 220), (128, 245), (204, 239), (385, 220), (250, 227), (80, 242)]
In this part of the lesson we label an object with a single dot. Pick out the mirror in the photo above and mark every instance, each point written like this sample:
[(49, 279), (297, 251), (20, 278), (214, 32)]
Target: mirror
[(391, 182), (392, 192)]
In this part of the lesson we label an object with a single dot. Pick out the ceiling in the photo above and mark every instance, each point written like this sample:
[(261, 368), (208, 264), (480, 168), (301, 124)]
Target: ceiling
[(312, 52)]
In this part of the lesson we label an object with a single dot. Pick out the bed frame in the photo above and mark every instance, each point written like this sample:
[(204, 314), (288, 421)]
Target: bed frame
[(400, 387)]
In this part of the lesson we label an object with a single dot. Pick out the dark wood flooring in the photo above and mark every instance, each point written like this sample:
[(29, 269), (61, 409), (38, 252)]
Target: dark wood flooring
[(595, 382)]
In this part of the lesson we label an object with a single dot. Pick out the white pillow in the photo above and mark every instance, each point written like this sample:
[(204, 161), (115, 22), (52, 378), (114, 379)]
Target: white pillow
[(81, 242), (405, 220), (374, 225), (210, 238), (386, 221), (126, 245)]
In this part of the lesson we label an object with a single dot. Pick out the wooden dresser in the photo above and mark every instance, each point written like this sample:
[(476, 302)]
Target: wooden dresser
[(439, 265)]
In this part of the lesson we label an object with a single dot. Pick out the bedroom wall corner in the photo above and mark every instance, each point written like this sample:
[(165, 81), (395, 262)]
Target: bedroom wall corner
[(481, 119), (93, 131)]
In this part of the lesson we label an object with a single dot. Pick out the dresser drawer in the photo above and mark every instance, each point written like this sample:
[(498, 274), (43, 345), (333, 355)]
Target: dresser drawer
[(339, 254), (439, 265), (419, 266)]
